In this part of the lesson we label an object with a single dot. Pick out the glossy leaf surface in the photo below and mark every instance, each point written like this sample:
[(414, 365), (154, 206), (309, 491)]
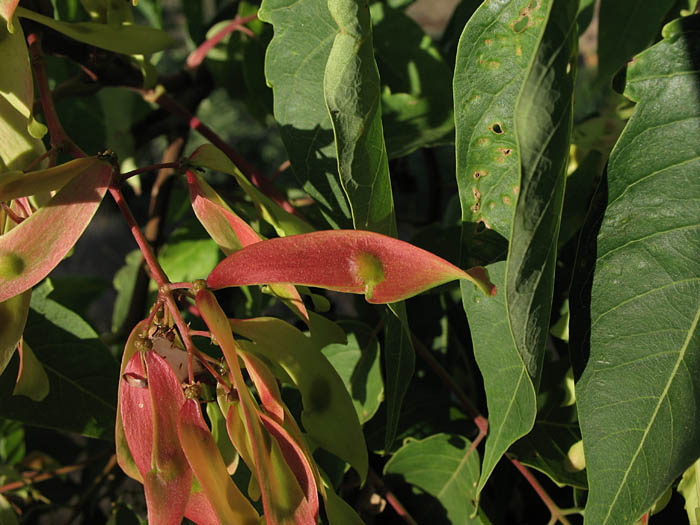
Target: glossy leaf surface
[(440, 466), (294, 67), (229, 503), (638, 395), (323, 394), (24, 260), (383, 268), (494, 57), (352, 92), (510, 392)]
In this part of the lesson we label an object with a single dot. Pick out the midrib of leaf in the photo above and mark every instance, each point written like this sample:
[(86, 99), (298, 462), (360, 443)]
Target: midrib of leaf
[(672, 375), (454, 474)]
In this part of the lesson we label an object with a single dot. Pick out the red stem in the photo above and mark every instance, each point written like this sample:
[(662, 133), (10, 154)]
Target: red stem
[(553, 508), (197, 56), (391, 499), (172, 106), (15, 218), (59, 138)]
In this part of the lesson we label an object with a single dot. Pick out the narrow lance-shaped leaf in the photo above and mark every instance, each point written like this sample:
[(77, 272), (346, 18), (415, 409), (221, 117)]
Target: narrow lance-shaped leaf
[(150, 404), (383, 268), (231, 233), (279, 505), (294, 67), (129, 39), (15, 184), (203, 455), (639, 394), (352, 92), (34, 248), (211, 157), (494, 56), (324, 396)]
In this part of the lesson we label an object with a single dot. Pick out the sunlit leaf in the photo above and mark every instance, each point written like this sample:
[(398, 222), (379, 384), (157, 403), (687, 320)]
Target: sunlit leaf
[(638, 393), (383, 268), (689, 488), (294, 67), (34, 248), (16, 184), (208, 156), (206, 461), (323, 394), (129, 39), (13, 317), (440, 466)]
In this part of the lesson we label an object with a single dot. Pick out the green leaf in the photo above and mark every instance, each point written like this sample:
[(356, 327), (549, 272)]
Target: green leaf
[(543, 120), (7, 514), (352, 92), (32, 380), (294, 67), (189, 253), (440, 466), (416, 84), (13, 317), (494, 57), (12, 447), (690, 490), (357, 363), (510, 393), (638, 400), (626, 27), (126, 39), (323, 393), (82, 373), (124, 283)]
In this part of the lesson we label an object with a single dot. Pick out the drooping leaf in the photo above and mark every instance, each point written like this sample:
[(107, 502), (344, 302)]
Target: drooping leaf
[(638, 394), (13, 317), (625, 28), (82, 373), (494, 57), (34, 248), (203, 455), (294, 67), (544, 116), (129, 39), (125, 458), (323, 394), (283, 499), (383, 268), (32, 380), (150, 405), (232, 233), (510, 393), (16, 184), (208, 156), (416, 84), (7, 9), (440, 466), (352, 92), (124, 283), (358, 364)]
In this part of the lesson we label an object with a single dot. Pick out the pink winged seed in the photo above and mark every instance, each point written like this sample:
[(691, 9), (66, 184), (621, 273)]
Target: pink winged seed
[(385, 269)]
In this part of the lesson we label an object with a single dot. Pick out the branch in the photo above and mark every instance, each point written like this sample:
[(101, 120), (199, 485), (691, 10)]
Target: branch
[(196, 57)]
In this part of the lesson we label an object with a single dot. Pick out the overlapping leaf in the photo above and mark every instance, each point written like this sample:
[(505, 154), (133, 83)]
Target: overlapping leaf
[(31, 250), (638, 401), (294, 66), (130, 39), (385, 269)]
